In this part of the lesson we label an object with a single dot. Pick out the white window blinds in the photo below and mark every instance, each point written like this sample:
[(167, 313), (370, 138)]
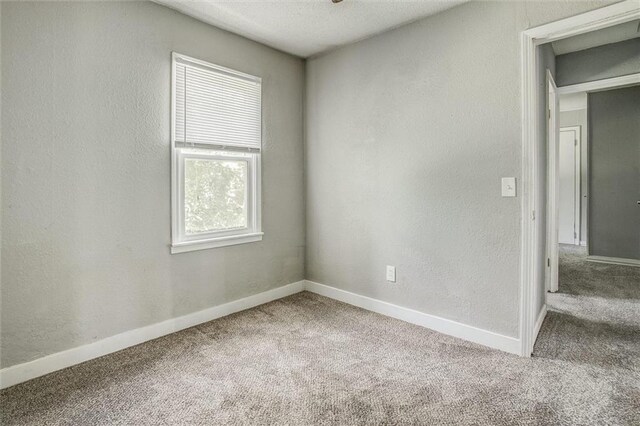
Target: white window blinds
[(215, 105)]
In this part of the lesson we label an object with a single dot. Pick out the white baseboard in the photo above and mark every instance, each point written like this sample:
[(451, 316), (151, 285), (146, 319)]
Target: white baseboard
[(539, 321), (22, 372), (29, 370), (583, 243), (614, 260), (442, 325)]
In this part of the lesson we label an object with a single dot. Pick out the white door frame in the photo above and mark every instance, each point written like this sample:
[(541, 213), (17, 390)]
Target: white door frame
[(531, 105), (599, 85)]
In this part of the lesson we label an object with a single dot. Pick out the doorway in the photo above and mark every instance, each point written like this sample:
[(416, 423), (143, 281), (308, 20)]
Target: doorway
[(533, 274), (594, 300)]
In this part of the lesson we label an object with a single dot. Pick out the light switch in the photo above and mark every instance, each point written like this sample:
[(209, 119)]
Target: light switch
[(508, 187)]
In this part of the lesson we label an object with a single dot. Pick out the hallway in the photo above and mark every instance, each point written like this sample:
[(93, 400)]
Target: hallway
[(594, 318)]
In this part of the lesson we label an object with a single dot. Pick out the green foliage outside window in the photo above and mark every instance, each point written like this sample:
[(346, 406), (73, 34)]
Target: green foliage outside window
[(215, 195)]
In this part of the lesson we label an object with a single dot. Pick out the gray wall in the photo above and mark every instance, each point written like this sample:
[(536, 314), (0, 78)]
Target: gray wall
[(546, 60), (614, 152), (86, 179), (579, 118), (408, 134), (611, 60)]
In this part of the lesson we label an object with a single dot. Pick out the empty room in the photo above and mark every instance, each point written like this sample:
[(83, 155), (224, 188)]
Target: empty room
[(320, 212)]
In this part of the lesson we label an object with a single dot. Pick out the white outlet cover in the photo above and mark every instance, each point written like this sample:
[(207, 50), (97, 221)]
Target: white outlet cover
[(391, 273), (508, 187)]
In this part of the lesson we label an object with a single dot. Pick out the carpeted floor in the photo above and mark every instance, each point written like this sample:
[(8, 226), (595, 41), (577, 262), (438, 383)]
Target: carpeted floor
[(308, 360), (595, 315)]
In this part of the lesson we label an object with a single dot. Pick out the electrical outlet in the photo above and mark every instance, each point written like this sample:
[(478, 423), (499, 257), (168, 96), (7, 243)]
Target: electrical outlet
[(391, 274)]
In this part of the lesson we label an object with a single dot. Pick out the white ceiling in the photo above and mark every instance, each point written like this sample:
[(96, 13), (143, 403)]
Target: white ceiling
[(608, 35), (308, 27)]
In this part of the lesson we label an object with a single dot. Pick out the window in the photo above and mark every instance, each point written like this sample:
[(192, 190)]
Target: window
[(216, 143)]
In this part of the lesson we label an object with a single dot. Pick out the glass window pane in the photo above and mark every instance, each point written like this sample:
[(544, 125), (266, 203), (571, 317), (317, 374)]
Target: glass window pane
[(215, 195)]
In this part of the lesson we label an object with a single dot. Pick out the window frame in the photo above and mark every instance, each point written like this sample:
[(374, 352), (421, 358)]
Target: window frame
[(181, 241)]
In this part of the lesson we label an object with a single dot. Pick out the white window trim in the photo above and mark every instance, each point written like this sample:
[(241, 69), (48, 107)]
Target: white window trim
[(216, 242), (180, 242)]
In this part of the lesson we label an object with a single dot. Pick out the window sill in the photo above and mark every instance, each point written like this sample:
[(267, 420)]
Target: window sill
[(216, 242)]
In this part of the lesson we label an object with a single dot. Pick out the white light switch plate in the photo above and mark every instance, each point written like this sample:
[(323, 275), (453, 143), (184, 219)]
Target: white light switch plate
[(391, 274), (508, 187)]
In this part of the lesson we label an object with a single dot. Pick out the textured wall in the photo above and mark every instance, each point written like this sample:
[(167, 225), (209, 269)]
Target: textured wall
[(579, 118), (614, 178), (86, 176), (610, 60), (408, 134)]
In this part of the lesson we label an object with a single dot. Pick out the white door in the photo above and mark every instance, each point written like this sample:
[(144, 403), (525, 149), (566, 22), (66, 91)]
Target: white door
[(569, 185), (551, 277)]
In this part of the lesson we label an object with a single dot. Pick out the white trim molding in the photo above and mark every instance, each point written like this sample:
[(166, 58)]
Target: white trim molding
[(29, 370), (614, 260), (216, 242), (604, 84), (553, 187), (441, 325), (604, 17), (541, 316)]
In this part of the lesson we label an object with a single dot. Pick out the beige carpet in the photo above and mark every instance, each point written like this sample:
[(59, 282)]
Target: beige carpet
[(595, 315), (307, 360)]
